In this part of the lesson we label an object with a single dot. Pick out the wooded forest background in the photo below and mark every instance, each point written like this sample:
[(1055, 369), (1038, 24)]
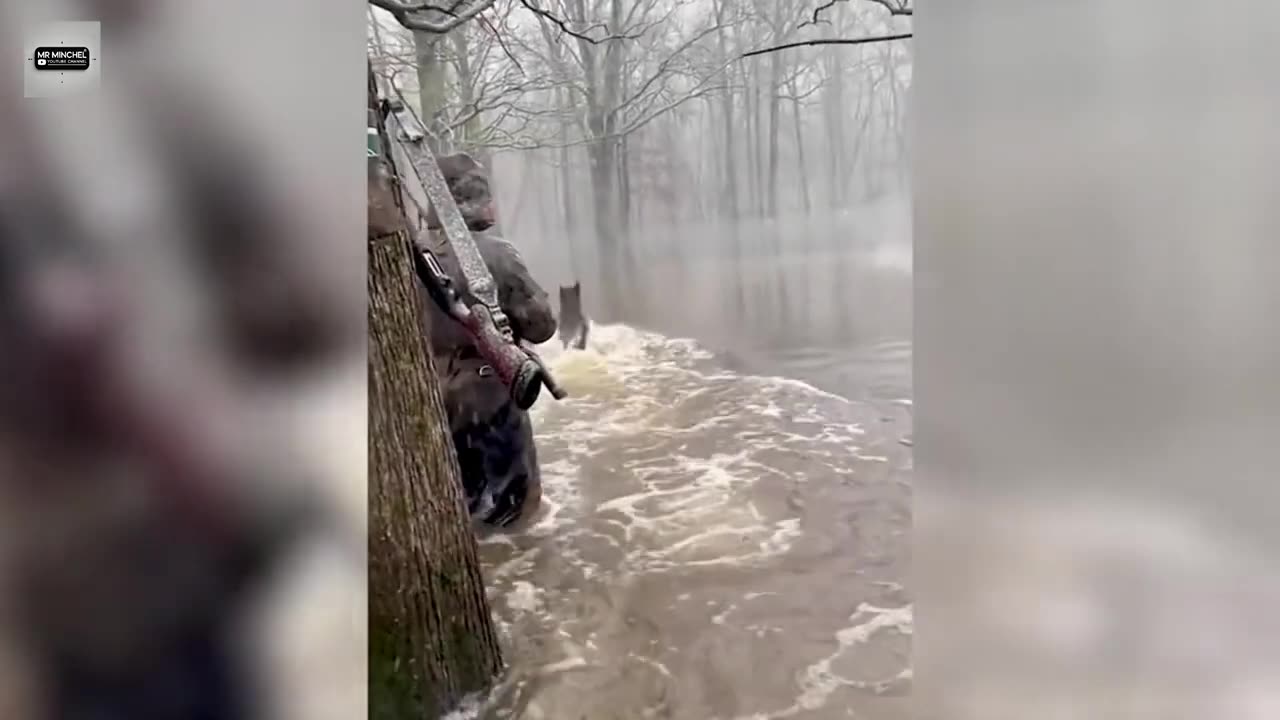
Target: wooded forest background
[(615, 126)]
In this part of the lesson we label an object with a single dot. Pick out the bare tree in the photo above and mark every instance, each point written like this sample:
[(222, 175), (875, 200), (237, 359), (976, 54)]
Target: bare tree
[(609, 121), (896, 8)]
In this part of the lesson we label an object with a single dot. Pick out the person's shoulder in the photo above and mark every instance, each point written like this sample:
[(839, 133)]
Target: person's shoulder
[(493, 240), (489, 234)]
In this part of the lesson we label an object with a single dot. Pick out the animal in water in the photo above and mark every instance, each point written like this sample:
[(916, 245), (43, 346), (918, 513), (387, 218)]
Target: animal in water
[(493, 437), (575, 326)]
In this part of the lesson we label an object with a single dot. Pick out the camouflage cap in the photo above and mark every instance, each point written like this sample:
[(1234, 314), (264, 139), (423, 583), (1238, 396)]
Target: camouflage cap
[(468, 182)]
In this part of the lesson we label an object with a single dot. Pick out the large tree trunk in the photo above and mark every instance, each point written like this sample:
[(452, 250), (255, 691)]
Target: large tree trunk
[(431, 635)]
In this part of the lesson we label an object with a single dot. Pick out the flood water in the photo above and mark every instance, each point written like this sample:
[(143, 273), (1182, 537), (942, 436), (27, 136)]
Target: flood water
[(726, 518)]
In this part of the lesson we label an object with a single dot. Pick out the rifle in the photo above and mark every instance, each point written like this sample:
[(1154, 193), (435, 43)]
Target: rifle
[(518, 367)]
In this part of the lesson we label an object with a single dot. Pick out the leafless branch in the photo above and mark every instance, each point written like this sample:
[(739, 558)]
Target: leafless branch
[(663, 67), (406, 14), (828, 41), (895, 7), (659, 112), (580, 34), (497, 36), (397, 7), (817, 13)]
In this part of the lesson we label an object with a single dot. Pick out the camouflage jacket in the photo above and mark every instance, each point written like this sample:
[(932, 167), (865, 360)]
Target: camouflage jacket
[(524, 301)]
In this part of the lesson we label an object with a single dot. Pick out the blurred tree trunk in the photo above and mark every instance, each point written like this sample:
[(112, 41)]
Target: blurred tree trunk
[(778, 34), (775, 101), (431, 635), (865, 109), (752, 111), (896, 120), (730, 207), (431, 83), (833, 102), (602, 84), (800, 162), (566, 169), (624, 182), (473, 128)]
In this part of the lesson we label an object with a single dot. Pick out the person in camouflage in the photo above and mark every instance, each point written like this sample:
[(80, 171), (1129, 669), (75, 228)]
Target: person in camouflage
[(493, 437)]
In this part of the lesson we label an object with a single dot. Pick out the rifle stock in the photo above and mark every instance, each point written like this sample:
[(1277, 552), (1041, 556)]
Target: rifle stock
[(518, 368)]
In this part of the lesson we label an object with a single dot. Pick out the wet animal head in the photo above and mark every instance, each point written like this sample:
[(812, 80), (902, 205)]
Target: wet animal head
[(573, 321), (571, 304), (468, 181)]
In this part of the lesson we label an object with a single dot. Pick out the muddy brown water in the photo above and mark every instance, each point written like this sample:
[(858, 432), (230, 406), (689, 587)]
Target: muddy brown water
[(725, 531)]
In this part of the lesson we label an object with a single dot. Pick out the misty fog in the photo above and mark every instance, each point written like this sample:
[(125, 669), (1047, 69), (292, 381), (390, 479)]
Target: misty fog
[(727, 486), (742, 201)]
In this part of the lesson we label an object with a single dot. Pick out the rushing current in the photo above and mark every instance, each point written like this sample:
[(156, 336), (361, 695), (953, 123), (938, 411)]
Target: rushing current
[(726, 520)]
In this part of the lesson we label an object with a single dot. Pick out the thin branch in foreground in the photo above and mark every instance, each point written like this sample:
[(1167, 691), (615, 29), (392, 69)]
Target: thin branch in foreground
[(817, 13), (827, 41), (563, 25), (894, 8), (497, 36)]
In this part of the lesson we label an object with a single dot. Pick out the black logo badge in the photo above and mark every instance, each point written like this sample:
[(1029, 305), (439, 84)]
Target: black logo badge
[(61, 58)]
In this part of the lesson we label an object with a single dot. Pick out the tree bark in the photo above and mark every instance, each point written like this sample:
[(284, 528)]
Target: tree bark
[(431, 635)]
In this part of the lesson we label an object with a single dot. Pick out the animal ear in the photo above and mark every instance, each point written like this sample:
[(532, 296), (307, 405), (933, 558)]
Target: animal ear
[(577, 286)]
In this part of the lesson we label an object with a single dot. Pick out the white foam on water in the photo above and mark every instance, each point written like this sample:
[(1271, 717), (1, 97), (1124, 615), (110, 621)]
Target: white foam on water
[(524, 597), (569, 663), (720, 617), (518, 564), (680, 506), (469, 709), (657, 666), (818, 682), (659, 461)]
